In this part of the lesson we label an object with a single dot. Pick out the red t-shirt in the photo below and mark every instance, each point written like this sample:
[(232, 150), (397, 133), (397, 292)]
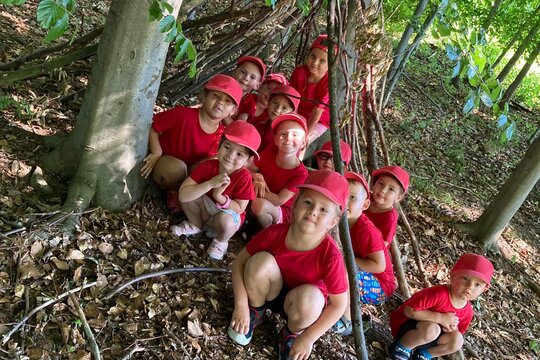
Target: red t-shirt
[(314, 91), (322, 266), (182, 136), (248, 105), (386, 222), (278, 178), (240, 187), (367, 239), (435, 298)]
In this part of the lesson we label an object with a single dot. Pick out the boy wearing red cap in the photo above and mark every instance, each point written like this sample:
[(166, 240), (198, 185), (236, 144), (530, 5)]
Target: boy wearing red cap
[(217, 192), (182, 136), (324, 156), (253, 106), (249, 72), (279, 171), (294, 269), (375, 274), (432, 322), (389, 185)]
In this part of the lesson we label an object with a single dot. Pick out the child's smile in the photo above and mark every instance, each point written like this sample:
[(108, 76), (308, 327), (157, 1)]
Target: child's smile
[(248, 76), (289, 136), (218, 105), (232, 156), (314, 212), (317, 63), (386, 192)]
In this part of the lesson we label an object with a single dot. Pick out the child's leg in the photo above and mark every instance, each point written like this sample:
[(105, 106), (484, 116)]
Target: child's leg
[(262, 278), (196, 212), (448, 343), (265, 212), (225, 222), (425, 332), (303, 306), (169, 172)]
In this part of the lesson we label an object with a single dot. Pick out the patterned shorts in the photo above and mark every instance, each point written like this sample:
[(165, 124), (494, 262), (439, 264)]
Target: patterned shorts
[(369, 289)]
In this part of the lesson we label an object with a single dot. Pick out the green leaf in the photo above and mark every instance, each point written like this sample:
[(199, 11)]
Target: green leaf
[(181, 48), (154, 13), (271, 3), (474, 81), (48, 13), (496, 110), (58, 29), (167, 23), (510, 131), (305, 6), (496, 94), (533, 345), (471, 71), (502, 120), (492, 82), (506, 108), (69, 5), (451, 52), (167, 7), (486, 99), (479, 59), (191, 51), (193, 68), (443, 29), (12, 2), (469, 106), (171, 35), (457, 69)]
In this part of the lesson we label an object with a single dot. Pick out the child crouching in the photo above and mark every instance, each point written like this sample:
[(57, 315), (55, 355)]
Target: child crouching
[(295, 269), (217, 192)]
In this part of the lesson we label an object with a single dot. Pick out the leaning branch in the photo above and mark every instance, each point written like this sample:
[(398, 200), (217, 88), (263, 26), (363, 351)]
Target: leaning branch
[(87, 330)]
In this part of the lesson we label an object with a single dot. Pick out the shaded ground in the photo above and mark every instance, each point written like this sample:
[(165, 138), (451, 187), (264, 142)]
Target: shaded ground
[(456, 164)]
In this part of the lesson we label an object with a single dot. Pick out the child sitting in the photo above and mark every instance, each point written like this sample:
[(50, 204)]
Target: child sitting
[(253, 106), (311, 81), (279, 171), (183, 136), (294, 269), (389, 185), (374, 273), (249, 72), (432, 322), (325, 159), (217, 192)]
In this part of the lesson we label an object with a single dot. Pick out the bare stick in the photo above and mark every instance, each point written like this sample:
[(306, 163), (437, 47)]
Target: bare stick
[(11, 232), (135, 349), (423, 92), (87, 330), (398, 268), (161, 273), (179, 342), (42, 306)]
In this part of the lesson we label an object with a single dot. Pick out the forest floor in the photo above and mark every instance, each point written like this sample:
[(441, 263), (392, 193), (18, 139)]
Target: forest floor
[(457, 165)]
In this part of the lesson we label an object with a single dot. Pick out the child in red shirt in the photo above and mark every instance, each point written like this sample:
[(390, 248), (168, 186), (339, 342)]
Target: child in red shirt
[(432, 322), (253, 106), (279, 170), (374, 273), (249, 72), (389, 185), (183, 136), (311, 81), (325, 159), (295, 269), (217, 192)]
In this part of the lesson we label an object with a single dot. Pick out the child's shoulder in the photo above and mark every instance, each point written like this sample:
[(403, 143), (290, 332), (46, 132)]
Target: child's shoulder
[(364, 228)]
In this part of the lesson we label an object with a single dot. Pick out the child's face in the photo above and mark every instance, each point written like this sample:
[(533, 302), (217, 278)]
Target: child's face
[(314, 213), (317, 63), (466, 287), (248, 76), (325, 161), (232, 156), (263, 96), (218, 105), (386, 192), (358, 201), (289, 137), (279, 105)]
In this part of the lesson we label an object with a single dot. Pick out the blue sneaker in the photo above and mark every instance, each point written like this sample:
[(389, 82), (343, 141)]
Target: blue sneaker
[(343, 327), (256, 317), (398, 352), (285, 343)]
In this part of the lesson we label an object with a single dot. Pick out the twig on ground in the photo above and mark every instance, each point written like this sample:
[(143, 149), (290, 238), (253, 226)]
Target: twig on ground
[(161, 273), (11, 232), (471, 351), (517, 333), (42, 306), (423, 92), (135, 349), (179, 342), (87, 330)]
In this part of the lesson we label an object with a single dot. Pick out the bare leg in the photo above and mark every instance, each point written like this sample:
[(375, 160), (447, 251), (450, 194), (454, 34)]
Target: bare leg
[(262, 278), (303, 306), (196, 212), (265, 212), (425, 332), (224, 226), (448, 343), (169, 172)]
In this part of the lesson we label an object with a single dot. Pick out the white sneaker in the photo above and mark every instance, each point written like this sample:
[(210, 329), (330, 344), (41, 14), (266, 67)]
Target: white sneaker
[(217, 249), (185, 228)]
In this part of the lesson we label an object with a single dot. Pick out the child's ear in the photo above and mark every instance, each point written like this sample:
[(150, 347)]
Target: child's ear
[(257, 86), (233, 111), (367, 202)]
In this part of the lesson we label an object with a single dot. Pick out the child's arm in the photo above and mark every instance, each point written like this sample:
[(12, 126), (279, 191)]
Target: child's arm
[(304, 343), (242, 117), (240, 315), (280, 198), (155, 153), (448, 321), (373, 263), (314, 118), (190, 190)]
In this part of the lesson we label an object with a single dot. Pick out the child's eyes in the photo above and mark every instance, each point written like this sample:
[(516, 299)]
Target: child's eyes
[(324, 210), (352, 197)]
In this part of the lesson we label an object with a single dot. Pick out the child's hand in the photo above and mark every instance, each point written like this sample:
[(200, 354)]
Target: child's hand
[(240, 320), (259, 185), (449, 322), (149, 162), (301, 348), (220, 180)]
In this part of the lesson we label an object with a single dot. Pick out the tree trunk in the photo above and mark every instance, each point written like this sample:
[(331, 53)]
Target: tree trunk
[(491, 15), (524, 70), (489, 226), (104, 153), (520, 50), (508, 46)]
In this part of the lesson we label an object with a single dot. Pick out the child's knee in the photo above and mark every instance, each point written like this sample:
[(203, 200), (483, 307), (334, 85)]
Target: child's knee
[(454, 340), (428, 330), (257, 206), (261, 266), (305, 301)]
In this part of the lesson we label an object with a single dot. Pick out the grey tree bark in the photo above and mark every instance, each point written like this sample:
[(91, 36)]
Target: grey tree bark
[(489, 226), (522, 73), (104, 152), (491, 15)]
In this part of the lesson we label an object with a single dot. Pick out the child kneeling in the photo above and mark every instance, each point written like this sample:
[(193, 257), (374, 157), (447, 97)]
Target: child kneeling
[(217, 192), (295, 269), (432, 322)]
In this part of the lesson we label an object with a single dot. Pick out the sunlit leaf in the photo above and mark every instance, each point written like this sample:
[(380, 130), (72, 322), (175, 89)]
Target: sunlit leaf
[(496, 94), (474, 80), (171, 35), (510, 131), (502, 120), (479, 60), (469, 106), (486, 99), (48, 12), (471, 71), (58, 29), (167, 7), (457, 69), (154, 13), (451, 52), (166, 23)]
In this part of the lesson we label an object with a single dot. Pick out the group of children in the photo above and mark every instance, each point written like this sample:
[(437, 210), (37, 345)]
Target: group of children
[(241, 153)]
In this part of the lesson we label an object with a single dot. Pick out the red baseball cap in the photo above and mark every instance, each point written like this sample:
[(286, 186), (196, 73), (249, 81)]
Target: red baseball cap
[(227, 85), (329, 183), (349, 175), (276, 77), (321, 42), (289, 92), (289, 117), (255, 60), (346, 152), (245, 134), (474, 265), (396, 172)]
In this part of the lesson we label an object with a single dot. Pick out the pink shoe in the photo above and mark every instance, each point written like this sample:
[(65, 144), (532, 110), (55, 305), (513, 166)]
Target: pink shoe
[(185, 228), (217, 249)]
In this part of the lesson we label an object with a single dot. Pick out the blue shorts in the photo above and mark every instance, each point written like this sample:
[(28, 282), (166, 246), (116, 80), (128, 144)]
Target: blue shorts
[(369, 289)]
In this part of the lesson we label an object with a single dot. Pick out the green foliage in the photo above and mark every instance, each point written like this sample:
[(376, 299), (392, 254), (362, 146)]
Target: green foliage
[(12, 2), (53, 15), (304, 5), (271, 3)]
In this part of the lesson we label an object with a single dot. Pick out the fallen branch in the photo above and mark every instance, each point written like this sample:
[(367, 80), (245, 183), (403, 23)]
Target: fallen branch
[(135, 349), (471, 351), (11, 232), (42, 306), (179, 342), (161, 273), (398, 268), (423, 92), (415, 247), (87, 330)]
